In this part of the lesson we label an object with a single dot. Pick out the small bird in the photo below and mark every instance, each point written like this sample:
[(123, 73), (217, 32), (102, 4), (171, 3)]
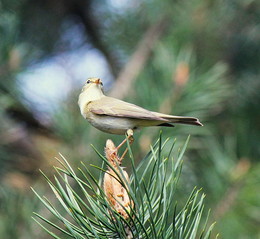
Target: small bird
[(119, 117)]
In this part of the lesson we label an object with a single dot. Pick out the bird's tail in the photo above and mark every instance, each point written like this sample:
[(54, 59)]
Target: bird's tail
[(180, 119), (186, 120)]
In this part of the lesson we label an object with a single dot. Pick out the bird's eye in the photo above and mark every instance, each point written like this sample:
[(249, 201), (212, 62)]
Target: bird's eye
[(101, 83), (88, 81)]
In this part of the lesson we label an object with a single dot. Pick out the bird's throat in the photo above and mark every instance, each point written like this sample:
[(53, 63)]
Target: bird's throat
[(88, 95)]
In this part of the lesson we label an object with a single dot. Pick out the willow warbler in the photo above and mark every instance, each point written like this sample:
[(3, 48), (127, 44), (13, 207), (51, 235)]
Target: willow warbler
[(116, 116)]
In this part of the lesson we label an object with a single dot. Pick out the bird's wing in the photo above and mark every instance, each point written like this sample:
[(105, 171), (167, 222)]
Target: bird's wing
[(118, 108)]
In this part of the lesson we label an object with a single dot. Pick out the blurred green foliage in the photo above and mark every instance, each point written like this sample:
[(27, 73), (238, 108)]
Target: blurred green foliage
[(206, 64)]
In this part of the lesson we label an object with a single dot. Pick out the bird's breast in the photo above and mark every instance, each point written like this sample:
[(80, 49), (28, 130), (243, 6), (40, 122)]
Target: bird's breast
[(110, 124)]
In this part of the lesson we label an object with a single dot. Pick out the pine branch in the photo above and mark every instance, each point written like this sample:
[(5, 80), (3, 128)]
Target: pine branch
[(140, 207)]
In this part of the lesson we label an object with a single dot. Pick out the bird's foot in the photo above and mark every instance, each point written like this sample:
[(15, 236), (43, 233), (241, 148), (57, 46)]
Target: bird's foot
[(129, 138)]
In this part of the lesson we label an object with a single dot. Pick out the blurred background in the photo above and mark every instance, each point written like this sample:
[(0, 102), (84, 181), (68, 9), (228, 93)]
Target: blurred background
[(192, 57)]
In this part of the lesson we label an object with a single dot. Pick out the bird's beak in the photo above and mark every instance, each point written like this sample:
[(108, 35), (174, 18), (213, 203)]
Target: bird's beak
[(97, 81)]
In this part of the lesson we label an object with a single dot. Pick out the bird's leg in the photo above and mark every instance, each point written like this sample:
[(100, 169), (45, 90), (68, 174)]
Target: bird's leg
[(129, 134), (129, 137)]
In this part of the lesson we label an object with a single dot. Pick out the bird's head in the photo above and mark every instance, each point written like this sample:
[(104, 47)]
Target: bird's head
[(93, 83), (92, 90)]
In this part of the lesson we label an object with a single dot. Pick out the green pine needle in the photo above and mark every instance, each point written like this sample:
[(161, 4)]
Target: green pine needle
[(152, 189)]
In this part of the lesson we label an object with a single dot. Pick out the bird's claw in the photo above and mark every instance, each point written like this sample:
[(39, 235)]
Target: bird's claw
[(129, 138)]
